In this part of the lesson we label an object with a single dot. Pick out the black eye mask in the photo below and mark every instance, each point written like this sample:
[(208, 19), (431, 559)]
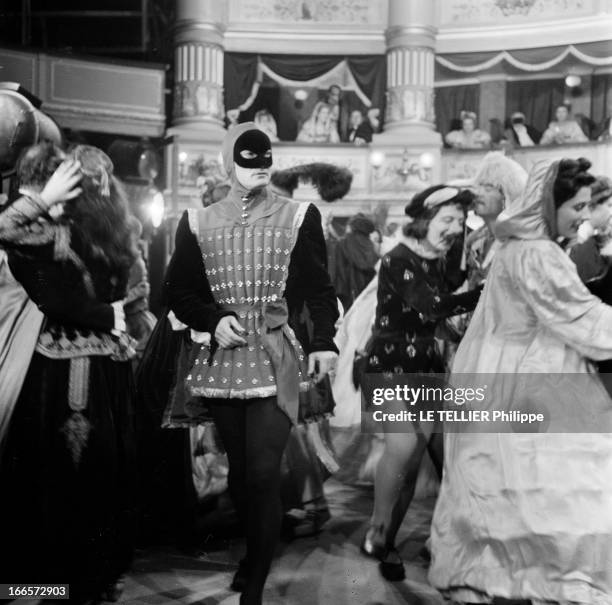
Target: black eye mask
[(256, 142)]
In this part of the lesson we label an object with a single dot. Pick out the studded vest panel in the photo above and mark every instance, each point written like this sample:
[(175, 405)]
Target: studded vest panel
[(246, 259)]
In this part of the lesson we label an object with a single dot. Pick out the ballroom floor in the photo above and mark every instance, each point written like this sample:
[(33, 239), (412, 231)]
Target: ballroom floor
[(328, 568)]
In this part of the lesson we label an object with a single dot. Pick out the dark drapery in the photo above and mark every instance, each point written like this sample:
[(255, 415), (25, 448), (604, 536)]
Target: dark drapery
[(300, 67), (449, 101), (601, 98), (370, 72), (240, 74), (537, 99)]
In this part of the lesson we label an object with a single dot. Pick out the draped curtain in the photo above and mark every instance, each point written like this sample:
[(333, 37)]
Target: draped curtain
[(247, 88), (537, 99), (449, 101), (601, 98)]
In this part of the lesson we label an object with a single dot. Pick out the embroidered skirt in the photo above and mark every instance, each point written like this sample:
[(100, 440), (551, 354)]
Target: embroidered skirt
[(69, 475)]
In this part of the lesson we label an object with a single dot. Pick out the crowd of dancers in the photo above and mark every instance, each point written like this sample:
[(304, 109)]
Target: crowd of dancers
[(252, 341)]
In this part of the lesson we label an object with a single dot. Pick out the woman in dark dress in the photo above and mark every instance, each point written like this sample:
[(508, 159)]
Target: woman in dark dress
[(68, 463), (416, 282)]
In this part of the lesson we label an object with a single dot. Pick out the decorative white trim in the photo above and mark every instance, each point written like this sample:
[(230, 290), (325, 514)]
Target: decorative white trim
[(194, 222), (544, 65)]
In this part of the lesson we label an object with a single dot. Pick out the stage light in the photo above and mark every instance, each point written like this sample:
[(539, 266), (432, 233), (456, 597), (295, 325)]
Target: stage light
[(572, 81), (300, 95), (377, 159), (427, 160), (182, 156)]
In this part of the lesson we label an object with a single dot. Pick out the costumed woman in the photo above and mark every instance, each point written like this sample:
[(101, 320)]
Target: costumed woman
[(319, 127), (308, 457), (238, 269), (68, 456), (415, 286), (527, 515)]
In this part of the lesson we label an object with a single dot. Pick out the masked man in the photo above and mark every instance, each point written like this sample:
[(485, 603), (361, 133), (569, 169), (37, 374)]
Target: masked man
[(240, 266)]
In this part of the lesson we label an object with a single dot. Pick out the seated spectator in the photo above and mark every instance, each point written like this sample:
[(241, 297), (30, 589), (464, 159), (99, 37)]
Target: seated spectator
[(469, 137), (338, 115), (265, 121), (354, 123), (520, 134), (319, 127), (564, 129), (368, 127)]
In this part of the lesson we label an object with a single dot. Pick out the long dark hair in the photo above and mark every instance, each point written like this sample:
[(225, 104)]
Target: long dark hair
[(98, 218)]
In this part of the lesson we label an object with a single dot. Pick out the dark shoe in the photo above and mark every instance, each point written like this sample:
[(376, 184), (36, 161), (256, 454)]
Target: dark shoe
[(305, 523), (240, 577), (391, 566)]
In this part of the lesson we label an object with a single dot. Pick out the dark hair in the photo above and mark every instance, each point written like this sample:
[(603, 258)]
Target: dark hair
[(571, 176), (423, 216), (37, 163)]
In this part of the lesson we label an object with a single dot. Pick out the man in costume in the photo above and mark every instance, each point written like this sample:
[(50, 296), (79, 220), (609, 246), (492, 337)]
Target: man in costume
[(239, 268)]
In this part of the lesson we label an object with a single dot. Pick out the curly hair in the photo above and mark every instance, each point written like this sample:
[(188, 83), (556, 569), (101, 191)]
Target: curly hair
[(571, 176)]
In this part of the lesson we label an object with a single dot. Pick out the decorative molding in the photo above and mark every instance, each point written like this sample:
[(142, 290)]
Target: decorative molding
[(410, 104), (347, 12), (457, 12), (198, 91), (410, 66)]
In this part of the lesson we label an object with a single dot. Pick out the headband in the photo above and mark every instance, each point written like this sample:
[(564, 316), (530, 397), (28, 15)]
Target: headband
[(440, 196)]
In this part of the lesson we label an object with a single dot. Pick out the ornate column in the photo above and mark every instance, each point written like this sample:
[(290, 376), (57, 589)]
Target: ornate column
[(411, 42), (198, 56)]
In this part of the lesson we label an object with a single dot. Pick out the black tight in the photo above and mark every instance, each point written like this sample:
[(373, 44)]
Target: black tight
[(254, 433)]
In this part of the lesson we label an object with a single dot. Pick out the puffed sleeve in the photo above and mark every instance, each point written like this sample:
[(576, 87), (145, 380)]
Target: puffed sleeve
[(57, 288), (548, 281), (319, 294), (417, 293), (187, 287)]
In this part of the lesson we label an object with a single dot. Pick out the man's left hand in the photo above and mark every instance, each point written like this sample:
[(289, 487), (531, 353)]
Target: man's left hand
[(321, 363)]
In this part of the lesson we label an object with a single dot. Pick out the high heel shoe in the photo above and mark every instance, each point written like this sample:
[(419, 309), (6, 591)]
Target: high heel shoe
[(391, 566), (390, 563)]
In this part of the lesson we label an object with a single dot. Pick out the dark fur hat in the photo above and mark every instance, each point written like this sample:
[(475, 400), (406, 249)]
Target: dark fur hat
[(332, 182)]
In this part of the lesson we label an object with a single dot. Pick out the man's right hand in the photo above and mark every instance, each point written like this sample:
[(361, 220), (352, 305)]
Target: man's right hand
[(228, 333)]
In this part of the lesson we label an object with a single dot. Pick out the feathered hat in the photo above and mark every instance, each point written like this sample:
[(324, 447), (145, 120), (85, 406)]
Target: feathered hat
[(332, 182)]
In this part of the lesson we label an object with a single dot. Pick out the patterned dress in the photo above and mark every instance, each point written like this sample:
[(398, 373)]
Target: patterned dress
[(414, 295)]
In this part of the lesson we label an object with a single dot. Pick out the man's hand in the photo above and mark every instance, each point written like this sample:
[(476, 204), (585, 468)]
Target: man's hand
[(229, 333), (321, 363), (62, 185)]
